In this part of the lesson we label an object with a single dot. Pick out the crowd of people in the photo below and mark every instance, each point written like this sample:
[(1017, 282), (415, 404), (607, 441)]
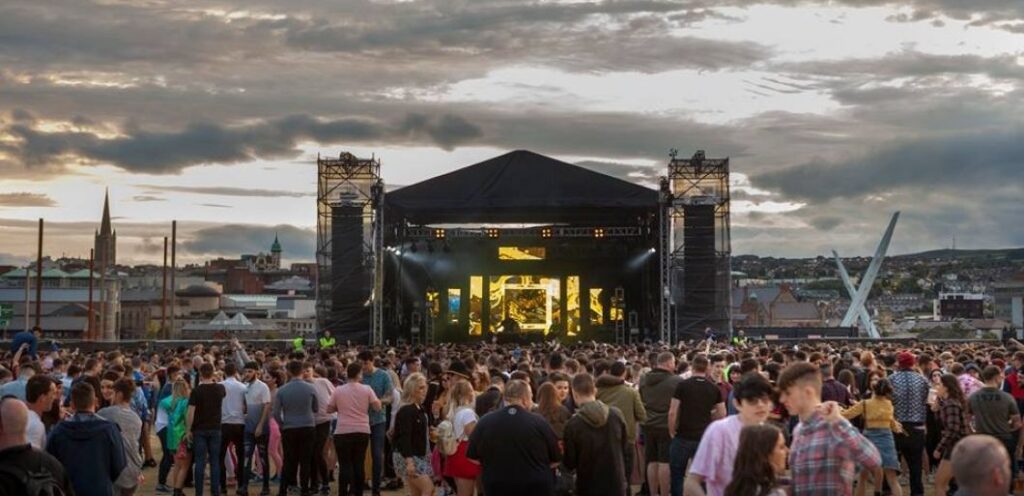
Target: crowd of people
[(698, 418)]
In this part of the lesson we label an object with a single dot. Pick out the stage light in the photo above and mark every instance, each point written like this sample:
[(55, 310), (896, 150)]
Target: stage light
[(599, 232), (492, 232), (439, 233), (545, 232), (652, 250)]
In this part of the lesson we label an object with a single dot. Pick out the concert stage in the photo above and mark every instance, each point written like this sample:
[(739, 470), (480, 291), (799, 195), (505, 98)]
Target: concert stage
[(519, 246)]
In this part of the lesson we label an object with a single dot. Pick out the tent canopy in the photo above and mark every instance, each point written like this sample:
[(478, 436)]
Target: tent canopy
[(520, 186)]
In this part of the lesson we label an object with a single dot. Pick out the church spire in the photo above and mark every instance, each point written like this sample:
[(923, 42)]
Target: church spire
[(105, 223)]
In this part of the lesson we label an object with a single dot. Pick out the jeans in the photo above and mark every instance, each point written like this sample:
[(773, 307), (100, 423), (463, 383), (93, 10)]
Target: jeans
[(911, 447), (298, 456), (351, 450), (233, 434), (1010, 443), (377, 440), (207, 448), (320, 477), (168, 459), (680, 452), (251, 444)]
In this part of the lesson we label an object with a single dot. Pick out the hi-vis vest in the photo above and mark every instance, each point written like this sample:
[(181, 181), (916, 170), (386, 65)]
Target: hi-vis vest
[(327, 342)]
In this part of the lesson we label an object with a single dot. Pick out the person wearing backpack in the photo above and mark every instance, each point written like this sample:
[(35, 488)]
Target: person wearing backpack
[(454, 442), (25, 470)]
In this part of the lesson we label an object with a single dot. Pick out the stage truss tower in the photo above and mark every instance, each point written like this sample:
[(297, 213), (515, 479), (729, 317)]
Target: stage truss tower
[(696, 261), (349, 249)]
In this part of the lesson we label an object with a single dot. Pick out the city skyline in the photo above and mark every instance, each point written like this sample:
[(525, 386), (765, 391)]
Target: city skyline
[(834, 114)]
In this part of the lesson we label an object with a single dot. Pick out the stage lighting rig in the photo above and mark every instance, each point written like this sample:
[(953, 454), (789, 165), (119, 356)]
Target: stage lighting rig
[(439, 234), (545, 232), (493, 232), (599, 232)]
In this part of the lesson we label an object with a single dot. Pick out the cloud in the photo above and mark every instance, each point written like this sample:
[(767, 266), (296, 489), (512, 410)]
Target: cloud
[(205, 142), (971, 161), (912, 63), (147, 198), (227, 191), (23, 199), (640, 174), (235, 239), (826, 223), (215, 205)]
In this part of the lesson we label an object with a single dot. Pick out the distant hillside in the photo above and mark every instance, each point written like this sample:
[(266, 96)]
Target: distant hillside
[(1004, 253)]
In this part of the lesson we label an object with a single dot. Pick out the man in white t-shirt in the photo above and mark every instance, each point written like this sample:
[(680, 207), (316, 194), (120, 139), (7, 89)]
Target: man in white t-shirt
[(40, 391), (713, 462), (232, 423), (257, 432)]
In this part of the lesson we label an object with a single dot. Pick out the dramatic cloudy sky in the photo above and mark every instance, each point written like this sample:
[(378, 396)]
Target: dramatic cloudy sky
[(835, 113)]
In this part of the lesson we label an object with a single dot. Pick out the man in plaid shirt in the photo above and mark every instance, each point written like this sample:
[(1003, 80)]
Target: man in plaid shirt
[(827, 451)]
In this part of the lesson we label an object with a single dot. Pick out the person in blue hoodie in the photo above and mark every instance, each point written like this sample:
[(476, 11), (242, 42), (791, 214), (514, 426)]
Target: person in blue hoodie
[(31, 338), (89, 447)]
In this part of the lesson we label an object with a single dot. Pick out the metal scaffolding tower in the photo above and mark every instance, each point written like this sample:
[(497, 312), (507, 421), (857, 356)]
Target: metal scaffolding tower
[(349, 251), (697, 267)]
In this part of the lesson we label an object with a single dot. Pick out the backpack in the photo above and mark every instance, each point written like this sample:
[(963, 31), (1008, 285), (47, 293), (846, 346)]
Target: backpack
[(36, 482)]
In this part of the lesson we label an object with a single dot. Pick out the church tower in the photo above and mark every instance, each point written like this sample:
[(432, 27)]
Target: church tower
[(106, 239), (275, 253)]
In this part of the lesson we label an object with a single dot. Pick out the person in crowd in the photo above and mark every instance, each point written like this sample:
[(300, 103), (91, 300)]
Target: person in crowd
[(910, 402), (352, 402), (968, 377), (40, 393), (463, 419), (760, 462), (551, 408), (981, 466), (412, 438), (274, 380), (28, 341), (203, 428), (995, 413), (825, 453), (695, 403), (879, 426), (952, 408), (612, 390), (257, 430), (175, 407), (18, 458), (324, 388), (17, 387), (657, 389), (232, 425), (491, 399), (294, 408), (380, 381), (713, 462), (130, 425), (833, 390), (516, 449), (595, 442), (90, 447)]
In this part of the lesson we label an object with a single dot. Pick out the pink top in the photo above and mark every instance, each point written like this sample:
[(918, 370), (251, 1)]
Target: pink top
[(352, 402), (717, 453)]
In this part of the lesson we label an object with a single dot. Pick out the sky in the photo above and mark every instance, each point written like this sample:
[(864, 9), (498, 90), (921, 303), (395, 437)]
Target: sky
[(834, 113)]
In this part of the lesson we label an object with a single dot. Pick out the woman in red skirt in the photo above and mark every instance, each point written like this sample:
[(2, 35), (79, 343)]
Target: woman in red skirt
[(463, 420)]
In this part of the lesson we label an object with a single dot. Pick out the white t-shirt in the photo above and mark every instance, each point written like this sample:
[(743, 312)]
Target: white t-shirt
[(232, 409), (162, 419), (463, 417), (324, 389), (257, 394), (36, 431)]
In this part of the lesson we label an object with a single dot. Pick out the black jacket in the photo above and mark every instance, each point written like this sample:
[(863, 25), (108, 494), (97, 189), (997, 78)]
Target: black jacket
[(411, 431), (595, 443), (27, 458)]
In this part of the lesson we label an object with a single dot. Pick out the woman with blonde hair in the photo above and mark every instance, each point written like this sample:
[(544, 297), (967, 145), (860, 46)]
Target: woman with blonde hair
[(463, 419), (412, 438), (176, 406)]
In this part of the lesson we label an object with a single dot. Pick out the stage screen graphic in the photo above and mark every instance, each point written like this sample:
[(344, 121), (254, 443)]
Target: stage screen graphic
[(476, 304), (521, 253), (596, 309), (524, 303), (454, 304)]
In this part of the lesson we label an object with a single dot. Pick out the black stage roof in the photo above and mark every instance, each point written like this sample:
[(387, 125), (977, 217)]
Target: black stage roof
[(520, 186)]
